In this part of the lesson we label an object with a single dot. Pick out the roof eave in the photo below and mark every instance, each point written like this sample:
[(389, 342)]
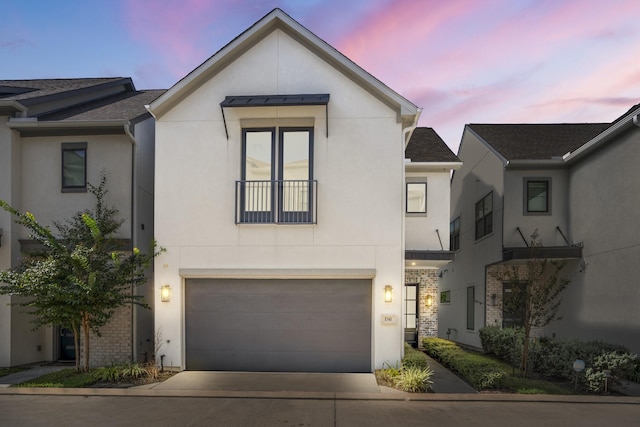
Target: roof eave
[(609, 133), (53, 128), (535, 164), (9, 106), (432, 166)]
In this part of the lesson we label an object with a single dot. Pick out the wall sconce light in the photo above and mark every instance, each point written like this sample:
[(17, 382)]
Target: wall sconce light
[(388, 293), (429, 300), (165, 293)]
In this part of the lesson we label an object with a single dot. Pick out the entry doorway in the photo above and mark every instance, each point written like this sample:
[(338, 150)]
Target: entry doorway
[(411, 314), (66, 345)]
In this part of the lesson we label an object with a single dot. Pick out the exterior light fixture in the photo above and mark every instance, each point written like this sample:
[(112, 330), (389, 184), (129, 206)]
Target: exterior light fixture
[(165, 293), (388, 293), (429, 300)]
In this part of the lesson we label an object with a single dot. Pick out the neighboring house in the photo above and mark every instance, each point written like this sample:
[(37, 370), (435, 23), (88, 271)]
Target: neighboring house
[(573, 184), (279, 198), (57, 135), (428, 167)]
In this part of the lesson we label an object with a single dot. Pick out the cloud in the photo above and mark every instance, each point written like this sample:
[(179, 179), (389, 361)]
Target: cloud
[(16, 43)]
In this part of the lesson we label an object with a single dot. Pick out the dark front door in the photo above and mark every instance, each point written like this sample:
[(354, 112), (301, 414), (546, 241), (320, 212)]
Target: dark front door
[(411, 314), (67, 345)]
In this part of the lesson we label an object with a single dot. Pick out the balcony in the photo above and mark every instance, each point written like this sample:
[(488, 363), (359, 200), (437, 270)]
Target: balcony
[(276, 202)]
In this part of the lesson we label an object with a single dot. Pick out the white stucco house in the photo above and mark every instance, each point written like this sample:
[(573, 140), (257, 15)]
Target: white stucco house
[(572, 184), (280, 178), (57, 135)]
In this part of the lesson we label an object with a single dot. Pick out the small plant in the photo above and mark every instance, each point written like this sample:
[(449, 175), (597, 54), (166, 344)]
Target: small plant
[(111, 373), (133, 371), (414, 380), (415, 359)]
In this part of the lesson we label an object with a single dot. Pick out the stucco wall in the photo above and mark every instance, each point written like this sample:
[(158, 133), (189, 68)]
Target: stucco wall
[(602, 301), (359, 168), (514, 215), (420, 229), (481, 173)]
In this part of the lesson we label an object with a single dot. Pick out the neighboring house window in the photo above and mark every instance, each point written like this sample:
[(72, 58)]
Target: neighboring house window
[(277, 171), (537, 196), (484, 216), (445, 296), (471, 307), (74, 167), (416, 197), (454, 234), (513, 304)]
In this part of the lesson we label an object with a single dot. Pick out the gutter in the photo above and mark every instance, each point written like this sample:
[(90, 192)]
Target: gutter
[(554, 162), (607, 134), (15, 106), (431, 166)]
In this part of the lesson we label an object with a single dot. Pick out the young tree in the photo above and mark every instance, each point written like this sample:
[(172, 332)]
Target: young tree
[(82, 277), (535, 293)]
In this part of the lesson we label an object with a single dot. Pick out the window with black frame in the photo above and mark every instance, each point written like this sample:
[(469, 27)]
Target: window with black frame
[(484, 216), (74, 167), (277, 176)]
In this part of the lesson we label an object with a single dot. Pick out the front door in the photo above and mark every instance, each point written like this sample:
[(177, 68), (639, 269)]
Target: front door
[(411, 314), (67, 344)]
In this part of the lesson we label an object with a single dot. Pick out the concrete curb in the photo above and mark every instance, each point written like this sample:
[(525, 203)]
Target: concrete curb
[(413, 397)]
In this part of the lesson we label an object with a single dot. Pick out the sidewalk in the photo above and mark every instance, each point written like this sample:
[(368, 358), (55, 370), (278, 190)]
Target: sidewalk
[(445, 381)]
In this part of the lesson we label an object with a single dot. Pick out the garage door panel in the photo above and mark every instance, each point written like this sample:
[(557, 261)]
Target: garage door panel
[(278, 325)]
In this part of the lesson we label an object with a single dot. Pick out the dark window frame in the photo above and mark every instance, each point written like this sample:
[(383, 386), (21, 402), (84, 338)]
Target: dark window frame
[(484, 223), (454, 234), (445, 297), (526, 197), (73, 147), (516, 291), (471, 308), (406, 193), (276, 213)]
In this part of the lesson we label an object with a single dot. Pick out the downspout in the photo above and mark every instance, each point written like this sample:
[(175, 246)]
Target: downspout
[(132, 138)]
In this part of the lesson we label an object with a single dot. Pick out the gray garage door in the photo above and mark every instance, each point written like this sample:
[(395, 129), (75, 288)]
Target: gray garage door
[(278, 325)]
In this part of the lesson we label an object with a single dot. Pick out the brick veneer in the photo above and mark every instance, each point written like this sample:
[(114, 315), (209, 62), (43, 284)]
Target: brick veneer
[(427, 280), (114, 344)]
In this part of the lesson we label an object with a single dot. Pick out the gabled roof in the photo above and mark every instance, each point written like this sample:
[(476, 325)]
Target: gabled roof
[(277, 19), (123, 106), (426, 145), (536, 141), (28, 91)]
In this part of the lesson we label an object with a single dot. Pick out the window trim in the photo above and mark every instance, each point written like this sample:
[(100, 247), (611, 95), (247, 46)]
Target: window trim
[(471, 308), (453, 234), (525, 195), (276, 213), (73, 146), (483, 218), (445, 297), (406, 193)]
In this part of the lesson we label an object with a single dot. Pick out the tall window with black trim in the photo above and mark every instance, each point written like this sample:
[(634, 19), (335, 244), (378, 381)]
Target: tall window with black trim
[(277, 176), (74, 167), (484, 216)]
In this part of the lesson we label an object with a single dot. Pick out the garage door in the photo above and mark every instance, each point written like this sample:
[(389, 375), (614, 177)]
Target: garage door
[(278, 325)]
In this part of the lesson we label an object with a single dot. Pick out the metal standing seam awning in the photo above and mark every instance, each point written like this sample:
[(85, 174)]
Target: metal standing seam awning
[(275, 101)]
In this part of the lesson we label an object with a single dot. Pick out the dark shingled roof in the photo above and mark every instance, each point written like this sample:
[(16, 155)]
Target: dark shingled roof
[(426, 145), (537, 141), (28, 89), (123, 106)]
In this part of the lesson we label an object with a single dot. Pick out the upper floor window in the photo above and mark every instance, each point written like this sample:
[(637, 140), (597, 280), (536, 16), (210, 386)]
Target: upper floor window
[(454, 234), (74, 167), (537, 195), (277, 176), (484, 216), (416, 197)]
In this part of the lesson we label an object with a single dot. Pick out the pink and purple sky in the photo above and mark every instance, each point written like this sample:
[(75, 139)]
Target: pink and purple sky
[(462, 61)]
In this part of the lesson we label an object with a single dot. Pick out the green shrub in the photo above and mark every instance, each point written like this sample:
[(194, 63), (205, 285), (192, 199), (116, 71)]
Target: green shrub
[(607, 369), (119, 373), (504, 343), (415, 359), (389, 374), (414, 379)]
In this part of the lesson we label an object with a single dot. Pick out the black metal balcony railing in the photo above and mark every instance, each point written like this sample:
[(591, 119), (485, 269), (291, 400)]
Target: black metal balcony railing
[(277, 201)]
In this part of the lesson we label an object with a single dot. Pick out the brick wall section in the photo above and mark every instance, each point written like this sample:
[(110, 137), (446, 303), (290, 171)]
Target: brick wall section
[(494, 287), (114, 344), (427, 280)]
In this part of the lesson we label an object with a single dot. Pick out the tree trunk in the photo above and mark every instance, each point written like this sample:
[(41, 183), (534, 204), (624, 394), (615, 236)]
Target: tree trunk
[(85, 328), (76, 342)]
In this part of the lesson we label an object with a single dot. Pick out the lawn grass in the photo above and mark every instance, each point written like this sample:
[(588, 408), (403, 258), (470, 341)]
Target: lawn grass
[(66, 378), (9, 371)]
